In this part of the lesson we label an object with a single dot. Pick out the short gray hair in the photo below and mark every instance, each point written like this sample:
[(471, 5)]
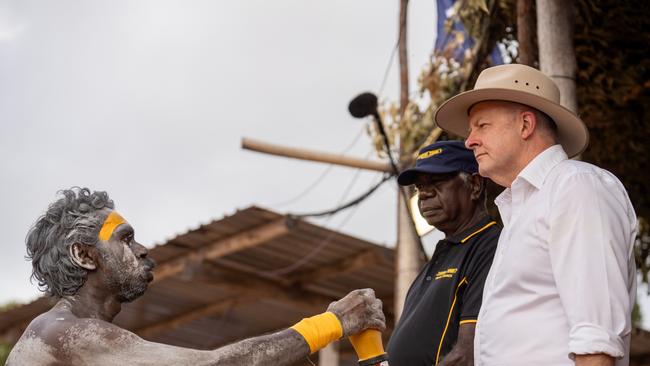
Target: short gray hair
[(467, 179), (74, 218), (544, 121)]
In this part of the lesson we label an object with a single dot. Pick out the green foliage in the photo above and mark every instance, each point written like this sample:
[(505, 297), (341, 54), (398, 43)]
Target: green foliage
[(613, 87), (637, 318), (444, 77), (4, 353)]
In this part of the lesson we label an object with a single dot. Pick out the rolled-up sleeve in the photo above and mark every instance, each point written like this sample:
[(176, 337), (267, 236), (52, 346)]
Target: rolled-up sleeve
[(591, 233)]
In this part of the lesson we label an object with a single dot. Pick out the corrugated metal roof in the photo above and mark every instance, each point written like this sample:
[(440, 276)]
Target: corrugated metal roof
[(247, 274)]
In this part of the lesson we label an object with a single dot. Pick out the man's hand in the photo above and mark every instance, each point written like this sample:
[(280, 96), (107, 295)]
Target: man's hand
[(359, 310), (594, 360)]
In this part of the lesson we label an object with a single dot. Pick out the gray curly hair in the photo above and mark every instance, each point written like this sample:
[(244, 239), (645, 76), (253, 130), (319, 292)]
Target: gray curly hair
[(74, 218)]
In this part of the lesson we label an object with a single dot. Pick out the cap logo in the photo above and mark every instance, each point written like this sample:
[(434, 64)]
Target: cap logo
[(430, 153)]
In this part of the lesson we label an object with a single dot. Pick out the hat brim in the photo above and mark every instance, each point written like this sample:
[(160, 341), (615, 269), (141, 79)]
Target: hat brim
[(407, 177), (452, 115)]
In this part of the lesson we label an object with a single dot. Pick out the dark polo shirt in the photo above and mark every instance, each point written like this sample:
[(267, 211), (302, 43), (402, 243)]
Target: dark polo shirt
[(446, 294)]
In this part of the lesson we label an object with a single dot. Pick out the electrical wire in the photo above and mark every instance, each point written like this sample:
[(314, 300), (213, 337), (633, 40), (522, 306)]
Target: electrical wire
[(325, 242), (349, 204), (390, 63)]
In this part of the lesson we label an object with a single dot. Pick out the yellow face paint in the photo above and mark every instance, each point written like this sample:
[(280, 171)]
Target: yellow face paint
[(112, 221)]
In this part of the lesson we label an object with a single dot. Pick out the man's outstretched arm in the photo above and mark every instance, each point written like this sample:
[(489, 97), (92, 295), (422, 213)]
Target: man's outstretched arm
[(92, 341)]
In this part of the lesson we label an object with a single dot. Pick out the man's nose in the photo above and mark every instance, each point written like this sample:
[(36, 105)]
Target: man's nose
[(140, 251), (423, 194), (471, 142)]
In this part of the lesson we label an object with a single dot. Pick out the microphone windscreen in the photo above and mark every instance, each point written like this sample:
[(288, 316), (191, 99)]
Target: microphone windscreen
[(363, 105)]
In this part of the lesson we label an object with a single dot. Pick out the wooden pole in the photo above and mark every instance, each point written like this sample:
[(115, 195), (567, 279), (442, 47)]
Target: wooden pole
[(403, 57), (557, 57), (311, 155), (526, 31), (329, 356), (407, 258)]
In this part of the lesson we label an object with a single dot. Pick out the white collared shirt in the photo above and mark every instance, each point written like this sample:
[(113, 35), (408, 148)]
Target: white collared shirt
[(563, 280)]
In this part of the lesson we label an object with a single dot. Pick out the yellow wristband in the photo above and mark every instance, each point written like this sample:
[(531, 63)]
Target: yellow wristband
[(320, 330)]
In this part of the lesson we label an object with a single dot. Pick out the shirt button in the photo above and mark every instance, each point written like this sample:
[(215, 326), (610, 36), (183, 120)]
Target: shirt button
[(428, 278)]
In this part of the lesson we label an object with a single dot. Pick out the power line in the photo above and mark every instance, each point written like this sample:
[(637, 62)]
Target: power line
[(387, 71), (351, 203), (325, 242)]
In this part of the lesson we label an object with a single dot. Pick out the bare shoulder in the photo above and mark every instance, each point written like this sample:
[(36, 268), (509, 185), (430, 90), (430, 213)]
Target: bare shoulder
[(57, 337)]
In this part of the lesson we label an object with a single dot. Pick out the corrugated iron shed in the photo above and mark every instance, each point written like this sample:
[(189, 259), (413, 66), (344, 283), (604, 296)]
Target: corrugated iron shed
[(247, 274)]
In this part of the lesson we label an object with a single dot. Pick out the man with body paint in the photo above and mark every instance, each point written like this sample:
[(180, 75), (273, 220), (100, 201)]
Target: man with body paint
[(85, 254)]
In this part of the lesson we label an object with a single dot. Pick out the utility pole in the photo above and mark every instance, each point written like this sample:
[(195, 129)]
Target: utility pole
[(557, 58), (407, 249), (409, 256)]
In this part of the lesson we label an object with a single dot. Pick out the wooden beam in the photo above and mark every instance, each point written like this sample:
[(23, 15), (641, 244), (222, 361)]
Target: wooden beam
[(245, 289), (241, 282), (311, 155), (177, 321), (222, 247)]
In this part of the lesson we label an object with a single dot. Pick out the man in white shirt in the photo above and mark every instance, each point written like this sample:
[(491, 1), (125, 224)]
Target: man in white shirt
[(562, 285)]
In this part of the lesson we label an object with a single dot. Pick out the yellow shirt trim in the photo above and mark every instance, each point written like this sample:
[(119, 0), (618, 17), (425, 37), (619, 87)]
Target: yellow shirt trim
[(478, 231), (468, 321), (451, 310)]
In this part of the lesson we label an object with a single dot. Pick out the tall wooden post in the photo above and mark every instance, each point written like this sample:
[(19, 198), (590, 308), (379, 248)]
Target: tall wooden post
[(408, 248), (329, 356), (526, 31), (557, 58)]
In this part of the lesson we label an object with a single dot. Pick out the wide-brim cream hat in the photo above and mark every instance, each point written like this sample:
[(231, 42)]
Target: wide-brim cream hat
[(520, 84)]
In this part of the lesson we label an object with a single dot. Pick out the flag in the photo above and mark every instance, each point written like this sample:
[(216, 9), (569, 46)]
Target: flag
[(443, 38)]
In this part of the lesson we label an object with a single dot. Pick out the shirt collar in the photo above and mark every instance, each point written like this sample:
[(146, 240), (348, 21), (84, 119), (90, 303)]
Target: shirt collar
[(465, 235), (537, 170)]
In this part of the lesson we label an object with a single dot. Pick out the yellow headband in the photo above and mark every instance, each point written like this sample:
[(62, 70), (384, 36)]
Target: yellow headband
[(112, 221)]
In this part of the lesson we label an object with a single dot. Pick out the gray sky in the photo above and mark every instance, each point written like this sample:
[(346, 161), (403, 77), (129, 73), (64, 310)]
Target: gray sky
[(148, 100)]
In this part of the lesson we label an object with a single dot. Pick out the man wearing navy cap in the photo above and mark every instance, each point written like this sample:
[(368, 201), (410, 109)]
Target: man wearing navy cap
[(442, 305)]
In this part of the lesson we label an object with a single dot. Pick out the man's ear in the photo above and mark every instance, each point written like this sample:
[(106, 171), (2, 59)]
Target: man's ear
[(478, 185), (529, 124), (82, 256)]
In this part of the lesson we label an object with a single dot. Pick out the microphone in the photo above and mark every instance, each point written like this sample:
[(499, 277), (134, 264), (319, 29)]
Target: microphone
[(363, 105)]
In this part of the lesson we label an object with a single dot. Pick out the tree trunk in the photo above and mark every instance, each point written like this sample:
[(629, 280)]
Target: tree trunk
[(557, 57), (526, 31)]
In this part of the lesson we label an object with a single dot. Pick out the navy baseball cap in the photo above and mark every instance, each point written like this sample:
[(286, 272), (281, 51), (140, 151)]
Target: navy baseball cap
[(440, 158)]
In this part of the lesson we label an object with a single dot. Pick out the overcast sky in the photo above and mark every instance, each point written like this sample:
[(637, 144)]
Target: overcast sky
[(149, 99)]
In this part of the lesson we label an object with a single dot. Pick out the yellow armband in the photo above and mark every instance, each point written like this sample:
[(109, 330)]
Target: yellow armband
[(320, 330)]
